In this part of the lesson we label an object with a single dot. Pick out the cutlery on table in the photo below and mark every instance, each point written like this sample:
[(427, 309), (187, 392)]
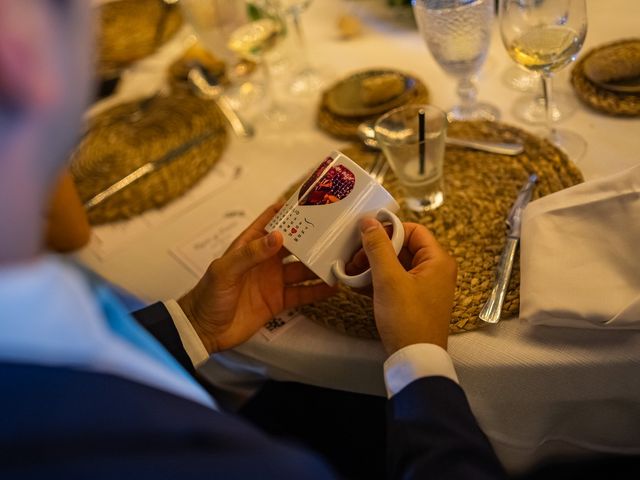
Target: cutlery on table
[(203, 87), (493, 307), (368, 134), (379, 168), (147, 168)]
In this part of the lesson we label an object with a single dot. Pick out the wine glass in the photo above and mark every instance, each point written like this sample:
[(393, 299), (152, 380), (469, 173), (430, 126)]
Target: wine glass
[(544, 36), (307, 80), (213, 21), (529, 107), (240, 32), (457, 33), (262, 28)]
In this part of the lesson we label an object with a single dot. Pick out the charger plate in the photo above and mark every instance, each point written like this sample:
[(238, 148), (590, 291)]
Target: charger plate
[(479, 191), (121, 139), (599, 98), (133, 29), (346, 127)]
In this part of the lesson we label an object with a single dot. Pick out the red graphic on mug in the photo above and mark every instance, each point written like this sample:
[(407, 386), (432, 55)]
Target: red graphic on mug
[(336, 184)]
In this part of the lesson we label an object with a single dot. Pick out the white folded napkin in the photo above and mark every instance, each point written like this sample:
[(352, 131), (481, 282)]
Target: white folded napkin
[(580, 255)]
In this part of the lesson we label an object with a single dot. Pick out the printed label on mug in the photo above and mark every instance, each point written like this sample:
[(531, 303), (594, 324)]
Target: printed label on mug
[(319, 222)]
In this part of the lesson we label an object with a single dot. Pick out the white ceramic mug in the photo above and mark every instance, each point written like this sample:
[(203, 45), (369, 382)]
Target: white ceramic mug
[(320, 222)]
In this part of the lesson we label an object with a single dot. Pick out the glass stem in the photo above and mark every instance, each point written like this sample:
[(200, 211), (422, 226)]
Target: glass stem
[(269, 84), (548, 99), (297, 24), (467, 92)]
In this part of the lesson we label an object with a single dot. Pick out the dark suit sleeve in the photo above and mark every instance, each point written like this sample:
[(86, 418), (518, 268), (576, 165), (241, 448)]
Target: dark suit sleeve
[(158, 322), (432, 433)]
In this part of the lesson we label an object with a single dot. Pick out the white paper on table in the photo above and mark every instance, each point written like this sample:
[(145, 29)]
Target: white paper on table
[(109, 238), (197, 252), (280, 324)]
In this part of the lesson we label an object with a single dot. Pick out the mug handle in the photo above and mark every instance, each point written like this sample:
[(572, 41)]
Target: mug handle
[(363, 279)]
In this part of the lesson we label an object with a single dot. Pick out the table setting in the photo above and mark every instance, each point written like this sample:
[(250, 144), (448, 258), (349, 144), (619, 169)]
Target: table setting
[(209, 136)]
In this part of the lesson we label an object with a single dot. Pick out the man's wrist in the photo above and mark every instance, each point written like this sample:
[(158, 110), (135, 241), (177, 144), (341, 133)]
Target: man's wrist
[(416, 361), (189, 338), (186, 304)]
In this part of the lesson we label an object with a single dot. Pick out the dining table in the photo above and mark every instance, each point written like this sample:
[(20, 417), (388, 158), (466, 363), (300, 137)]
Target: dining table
[(537, 391)]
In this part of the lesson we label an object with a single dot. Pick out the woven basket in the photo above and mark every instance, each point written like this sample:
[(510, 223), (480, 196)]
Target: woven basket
[(601, 99), (346, 128), (479, 191), (133, 29), (120, 140)]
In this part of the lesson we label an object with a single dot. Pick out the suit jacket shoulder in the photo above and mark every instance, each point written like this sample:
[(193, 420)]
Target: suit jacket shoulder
[(64, 423)]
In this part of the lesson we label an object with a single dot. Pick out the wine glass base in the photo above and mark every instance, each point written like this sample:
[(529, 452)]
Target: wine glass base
[(479, 111), (307, 82), (569, 142), (531, 109), (519, 79)]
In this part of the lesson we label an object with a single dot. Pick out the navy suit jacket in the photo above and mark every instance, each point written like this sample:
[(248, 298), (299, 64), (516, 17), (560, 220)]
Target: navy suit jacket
[(65, 423)]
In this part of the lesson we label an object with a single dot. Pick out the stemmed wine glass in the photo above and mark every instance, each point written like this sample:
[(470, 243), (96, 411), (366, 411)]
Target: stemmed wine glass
[(245, 30), (307, 80), (458, 33), (545, 36), (213, 21)]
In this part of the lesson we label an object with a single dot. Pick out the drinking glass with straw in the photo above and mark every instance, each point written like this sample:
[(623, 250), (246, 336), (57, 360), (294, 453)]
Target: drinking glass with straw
[(413, 140)]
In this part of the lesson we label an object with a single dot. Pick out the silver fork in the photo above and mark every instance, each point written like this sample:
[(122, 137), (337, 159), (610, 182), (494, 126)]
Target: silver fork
[(379, 168)]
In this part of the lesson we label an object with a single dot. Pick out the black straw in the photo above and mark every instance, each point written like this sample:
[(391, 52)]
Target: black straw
[(421, 139)]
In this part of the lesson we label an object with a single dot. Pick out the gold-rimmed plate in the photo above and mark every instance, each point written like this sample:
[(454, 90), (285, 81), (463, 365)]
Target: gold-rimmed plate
[(345, 98)]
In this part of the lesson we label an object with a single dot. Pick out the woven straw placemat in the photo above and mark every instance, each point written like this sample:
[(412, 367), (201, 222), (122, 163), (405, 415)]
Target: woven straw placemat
[(346, 128), (598, 98), (479, 191), (125, 137), (133, 29)]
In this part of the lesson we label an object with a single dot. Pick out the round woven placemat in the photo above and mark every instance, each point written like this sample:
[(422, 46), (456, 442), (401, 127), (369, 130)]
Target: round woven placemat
[(132, 29), (598, 98), (479, 191), (346, 128), (125, 137)]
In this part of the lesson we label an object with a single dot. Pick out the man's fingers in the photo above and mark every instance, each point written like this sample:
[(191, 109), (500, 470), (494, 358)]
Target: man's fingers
[(256, 229), (237, 262), (421, 244), (376, 244), (298, 295), (296, 272)]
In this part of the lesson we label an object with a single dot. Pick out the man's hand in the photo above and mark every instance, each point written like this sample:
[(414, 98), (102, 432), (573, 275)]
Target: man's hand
[(247, 287), (412, 292)]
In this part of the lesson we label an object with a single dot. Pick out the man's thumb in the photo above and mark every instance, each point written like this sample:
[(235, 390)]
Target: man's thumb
[(379, 249)]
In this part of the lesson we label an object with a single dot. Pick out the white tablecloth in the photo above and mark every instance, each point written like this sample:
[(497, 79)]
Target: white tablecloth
[(535, 391)]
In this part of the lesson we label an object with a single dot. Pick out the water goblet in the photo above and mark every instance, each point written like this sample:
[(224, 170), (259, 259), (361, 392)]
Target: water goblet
[(544, 36), (307, 80), (457, 33)]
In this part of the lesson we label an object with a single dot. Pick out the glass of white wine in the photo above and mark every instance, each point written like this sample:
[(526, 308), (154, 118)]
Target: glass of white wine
[(213, 21), (544, 36), (261, 28), (458, 33)]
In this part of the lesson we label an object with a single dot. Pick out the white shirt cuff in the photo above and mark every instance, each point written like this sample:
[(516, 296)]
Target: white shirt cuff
[(416, 361), (188, 336)]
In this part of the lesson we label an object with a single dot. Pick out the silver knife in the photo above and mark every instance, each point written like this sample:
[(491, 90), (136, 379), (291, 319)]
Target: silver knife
[(146, 169), (493, 307)]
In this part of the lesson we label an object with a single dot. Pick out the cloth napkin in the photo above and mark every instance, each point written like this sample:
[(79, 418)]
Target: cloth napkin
[(580, 255)]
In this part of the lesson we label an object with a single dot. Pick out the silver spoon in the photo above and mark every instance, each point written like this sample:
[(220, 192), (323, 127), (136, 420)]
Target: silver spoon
[(367, 134), (201, 85)]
